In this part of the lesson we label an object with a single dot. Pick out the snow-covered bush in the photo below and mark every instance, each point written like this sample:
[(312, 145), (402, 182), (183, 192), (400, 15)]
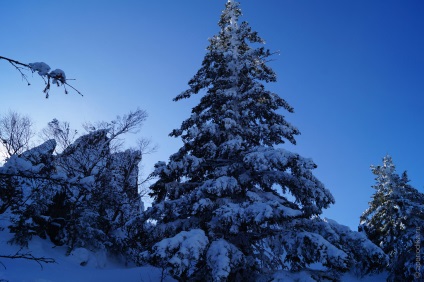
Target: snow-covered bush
[(27, 177), (83, 197)]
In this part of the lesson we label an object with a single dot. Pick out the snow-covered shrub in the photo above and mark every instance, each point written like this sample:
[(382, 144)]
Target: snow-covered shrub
[(28, 176), (104, 196), (83, 197)]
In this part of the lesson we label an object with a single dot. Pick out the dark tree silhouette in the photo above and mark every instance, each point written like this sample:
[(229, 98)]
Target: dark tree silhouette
[(15, 133)]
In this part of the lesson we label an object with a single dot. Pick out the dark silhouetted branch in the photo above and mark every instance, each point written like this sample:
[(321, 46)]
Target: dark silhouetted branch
[(56, 76)]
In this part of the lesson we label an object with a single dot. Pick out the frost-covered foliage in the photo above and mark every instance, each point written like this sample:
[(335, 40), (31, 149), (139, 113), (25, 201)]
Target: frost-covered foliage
[(394, 221), (223, 258), (83, 197), (230, 182), (184, 252)]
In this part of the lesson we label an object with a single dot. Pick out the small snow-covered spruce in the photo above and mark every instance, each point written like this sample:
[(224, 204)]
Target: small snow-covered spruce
[(394, 221), (56, 76), (227, 186)]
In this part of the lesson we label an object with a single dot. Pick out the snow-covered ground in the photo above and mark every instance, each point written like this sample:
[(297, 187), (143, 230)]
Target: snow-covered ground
[(85, 266), (97, 267)]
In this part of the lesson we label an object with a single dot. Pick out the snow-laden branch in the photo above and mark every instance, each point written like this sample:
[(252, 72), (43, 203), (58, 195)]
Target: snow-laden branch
[(49, 76)]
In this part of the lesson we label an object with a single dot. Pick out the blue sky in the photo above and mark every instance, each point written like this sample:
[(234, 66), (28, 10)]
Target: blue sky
[(353, 71)]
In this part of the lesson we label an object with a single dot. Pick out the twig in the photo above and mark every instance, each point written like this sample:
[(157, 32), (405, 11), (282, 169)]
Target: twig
[(28, 256), (19, 66), (15, 62), (19, 70), (72, 88)]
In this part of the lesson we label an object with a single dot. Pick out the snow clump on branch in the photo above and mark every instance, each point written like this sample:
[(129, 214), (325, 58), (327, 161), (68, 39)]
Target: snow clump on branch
[(40, 67), (58, 76)]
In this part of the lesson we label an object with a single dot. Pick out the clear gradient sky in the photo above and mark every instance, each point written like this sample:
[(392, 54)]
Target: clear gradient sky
[(353, 71)]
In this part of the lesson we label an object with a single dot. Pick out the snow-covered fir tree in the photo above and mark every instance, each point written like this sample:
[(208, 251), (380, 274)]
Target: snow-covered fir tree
[(395, 221), (231, 204)]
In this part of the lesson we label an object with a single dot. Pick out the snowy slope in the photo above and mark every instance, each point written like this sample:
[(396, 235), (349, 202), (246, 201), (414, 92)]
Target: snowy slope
[(67, 268), (97, 266), (303, 277)]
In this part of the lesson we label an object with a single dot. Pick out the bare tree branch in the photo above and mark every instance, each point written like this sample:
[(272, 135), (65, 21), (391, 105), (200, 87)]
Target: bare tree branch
[(19, 69), (128, 123), (61, 132), (28, 256), (14, 62), (15, 132), (56, 76)]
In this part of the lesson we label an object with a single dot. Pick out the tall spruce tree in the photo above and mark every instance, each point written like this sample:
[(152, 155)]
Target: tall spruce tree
[(395, 221), (230, 204)]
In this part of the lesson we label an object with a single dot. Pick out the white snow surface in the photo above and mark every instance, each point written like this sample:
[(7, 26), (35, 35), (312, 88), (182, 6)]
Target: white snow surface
[(304, 276), (98, 267), (81, 265)]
